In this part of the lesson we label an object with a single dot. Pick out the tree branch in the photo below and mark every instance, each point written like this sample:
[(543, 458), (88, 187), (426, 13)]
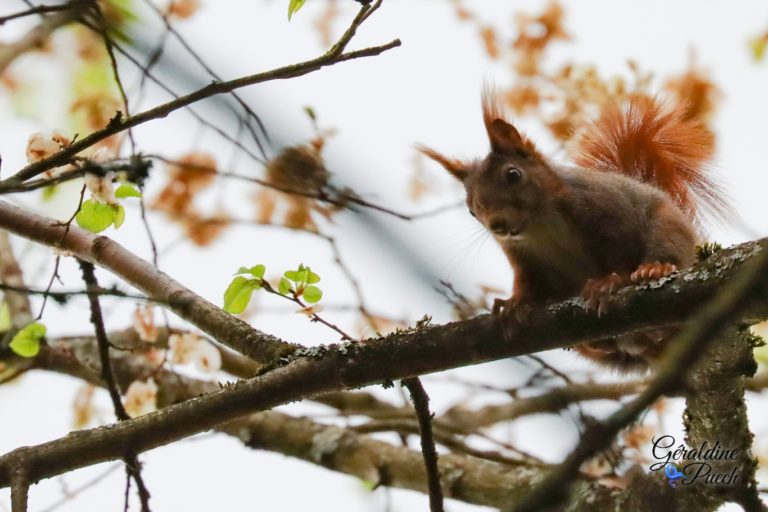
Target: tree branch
[(158, 286), (420, 401), (19, 488), (132, 464), (717, 386), (120, 123), (343, 450), (404, 354)]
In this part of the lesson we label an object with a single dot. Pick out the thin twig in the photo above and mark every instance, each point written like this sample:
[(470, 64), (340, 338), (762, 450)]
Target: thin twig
[(314, 317), (40, 9), (420, 401), (132, 463), (109, 47), (19, 488), (63, 296), (250, 114), (198, 117)]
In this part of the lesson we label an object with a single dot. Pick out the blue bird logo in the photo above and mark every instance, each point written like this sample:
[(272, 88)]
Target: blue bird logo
[(673, 474)]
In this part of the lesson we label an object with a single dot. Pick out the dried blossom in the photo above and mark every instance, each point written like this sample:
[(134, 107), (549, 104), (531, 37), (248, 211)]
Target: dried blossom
[(141, 398)]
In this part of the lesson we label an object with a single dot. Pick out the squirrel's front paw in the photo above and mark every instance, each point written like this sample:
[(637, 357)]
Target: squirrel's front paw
[(652, 271), (597, 292), (511, 308)]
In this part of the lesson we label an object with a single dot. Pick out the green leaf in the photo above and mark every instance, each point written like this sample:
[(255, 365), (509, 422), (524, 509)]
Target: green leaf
[(238, 294), (127, 191), (256, 271), (284, 286), (312, 294), (5, 317), (293, 275), (294, 6), (95, 216), (313, 278), (119, 215), (26, 343)]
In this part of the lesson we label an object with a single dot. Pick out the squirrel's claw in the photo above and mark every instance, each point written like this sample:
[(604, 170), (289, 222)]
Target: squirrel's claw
[(597, 292), (652, 271), (511, 308)]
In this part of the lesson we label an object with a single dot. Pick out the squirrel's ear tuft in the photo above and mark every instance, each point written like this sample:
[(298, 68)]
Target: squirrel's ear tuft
[(457, 168), (504, 137)]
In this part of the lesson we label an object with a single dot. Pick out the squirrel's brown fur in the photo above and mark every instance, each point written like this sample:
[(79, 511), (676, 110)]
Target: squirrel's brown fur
[(626, 214)]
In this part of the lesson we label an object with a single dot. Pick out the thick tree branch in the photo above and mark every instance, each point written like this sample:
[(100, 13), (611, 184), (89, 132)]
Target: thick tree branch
[(106, 253), (404, 354), (551, 327)]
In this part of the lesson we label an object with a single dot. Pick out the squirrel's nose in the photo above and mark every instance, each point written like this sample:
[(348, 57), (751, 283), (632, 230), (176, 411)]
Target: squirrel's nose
[(498, 226)]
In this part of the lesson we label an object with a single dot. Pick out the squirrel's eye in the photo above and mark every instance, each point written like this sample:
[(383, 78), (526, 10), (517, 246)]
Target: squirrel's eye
[(513, 175)]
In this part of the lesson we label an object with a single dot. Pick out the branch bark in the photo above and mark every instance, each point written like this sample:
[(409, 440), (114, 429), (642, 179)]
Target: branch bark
[(716, 414)]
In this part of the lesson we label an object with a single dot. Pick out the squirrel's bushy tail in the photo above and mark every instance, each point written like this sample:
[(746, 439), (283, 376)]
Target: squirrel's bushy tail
[(653, 142)]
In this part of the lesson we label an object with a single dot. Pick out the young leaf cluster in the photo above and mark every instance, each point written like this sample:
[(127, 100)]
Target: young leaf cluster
[(299, 283), (96, 216)]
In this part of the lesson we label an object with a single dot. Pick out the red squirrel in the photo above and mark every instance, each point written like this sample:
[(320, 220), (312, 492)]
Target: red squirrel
[(626, 213)]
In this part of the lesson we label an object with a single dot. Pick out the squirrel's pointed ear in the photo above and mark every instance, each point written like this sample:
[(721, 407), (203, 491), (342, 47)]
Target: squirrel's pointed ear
[(504, 137), (457, 168)]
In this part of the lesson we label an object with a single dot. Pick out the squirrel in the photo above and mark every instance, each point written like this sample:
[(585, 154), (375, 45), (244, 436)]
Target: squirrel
[(627, 212)]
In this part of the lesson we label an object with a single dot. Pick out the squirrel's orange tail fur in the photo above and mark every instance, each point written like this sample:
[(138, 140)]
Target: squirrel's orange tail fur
[(654, 143)]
